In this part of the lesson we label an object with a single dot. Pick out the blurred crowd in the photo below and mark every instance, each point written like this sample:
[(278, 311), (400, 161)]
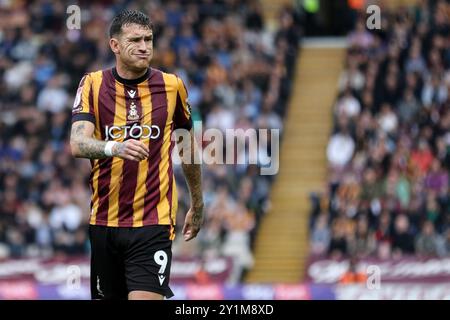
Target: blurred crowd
[(389, 153), (236, 70)]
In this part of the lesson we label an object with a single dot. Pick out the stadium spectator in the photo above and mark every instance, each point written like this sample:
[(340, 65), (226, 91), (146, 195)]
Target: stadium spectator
[(403, 239), (338, 246), (364, 243), (320, 236), (340, 149), (428, 243)]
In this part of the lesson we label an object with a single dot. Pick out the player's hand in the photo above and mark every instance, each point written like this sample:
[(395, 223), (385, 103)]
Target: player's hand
[(131, 149), (192, 223)]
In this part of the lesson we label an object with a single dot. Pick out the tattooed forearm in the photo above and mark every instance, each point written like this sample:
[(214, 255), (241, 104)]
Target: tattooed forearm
[(193, 175), (92, 148), (192, 170), (84, 146)]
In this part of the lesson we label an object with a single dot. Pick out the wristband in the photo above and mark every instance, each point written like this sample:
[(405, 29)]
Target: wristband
[(108, 148)]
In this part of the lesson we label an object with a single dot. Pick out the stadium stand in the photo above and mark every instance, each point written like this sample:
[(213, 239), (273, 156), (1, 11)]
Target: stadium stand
[(389, 153)]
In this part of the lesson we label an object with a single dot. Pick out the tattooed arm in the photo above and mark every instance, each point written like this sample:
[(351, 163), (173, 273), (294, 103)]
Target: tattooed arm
[(193, 175), (84, 145)]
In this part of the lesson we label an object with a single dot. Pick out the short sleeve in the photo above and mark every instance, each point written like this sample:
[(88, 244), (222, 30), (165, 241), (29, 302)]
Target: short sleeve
[(83, 108), (182, 114)]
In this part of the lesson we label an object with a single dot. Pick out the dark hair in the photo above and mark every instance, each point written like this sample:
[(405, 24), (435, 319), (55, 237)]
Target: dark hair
[(127, 17)]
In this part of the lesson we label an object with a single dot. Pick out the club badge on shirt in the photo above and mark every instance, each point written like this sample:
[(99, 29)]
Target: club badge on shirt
[(133, 114)]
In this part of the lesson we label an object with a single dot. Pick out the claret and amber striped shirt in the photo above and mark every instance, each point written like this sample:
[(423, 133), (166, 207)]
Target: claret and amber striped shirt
[(129, 193)]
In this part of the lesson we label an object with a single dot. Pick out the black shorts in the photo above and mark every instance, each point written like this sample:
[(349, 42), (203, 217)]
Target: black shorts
[(126, 259)]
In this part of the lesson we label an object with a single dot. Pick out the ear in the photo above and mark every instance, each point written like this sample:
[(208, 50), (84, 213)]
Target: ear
[(114, 45)]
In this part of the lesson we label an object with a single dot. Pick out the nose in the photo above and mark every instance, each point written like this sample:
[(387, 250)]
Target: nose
[(142, 47)]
